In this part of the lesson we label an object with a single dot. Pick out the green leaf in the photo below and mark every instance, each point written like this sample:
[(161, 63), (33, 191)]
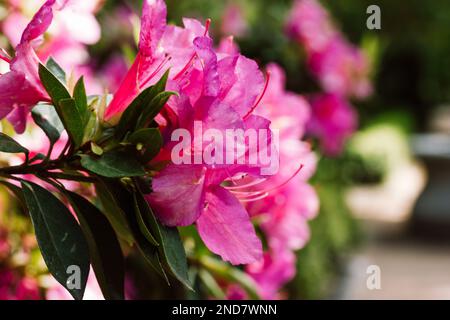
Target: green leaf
[(73, 121), (54, 87), (47, 119), (231, 274), (59, 237), (151, 141), (132, 113), (113, 212), (54, 68), (153, 108), (9, 145), (123, 198), (106, 254), (171, 247), (113, 164), (142, 223), (79, 94)]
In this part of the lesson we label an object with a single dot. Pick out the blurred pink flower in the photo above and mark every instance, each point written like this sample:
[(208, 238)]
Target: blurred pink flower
[(310, 24), (113, 72), (284, 212), (233, 21), (14, 288), (340, 67), (27, 289), (334, 120), (92, 292), (272, 272), (20, 88)]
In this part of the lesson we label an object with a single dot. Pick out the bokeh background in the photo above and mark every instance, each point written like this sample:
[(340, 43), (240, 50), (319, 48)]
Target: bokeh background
[(385, 198)]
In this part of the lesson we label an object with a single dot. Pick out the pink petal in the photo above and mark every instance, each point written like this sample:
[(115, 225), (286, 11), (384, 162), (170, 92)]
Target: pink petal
[(178, 192), (208, 58), (18, 118), (226, 229), (153, 25), (16, 92), (248, 86), (127, 91), (40, 22)]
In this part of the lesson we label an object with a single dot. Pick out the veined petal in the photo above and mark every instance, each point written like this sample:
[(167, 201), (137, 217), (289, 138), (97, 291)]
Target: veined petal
[(226, 229), (208, 58), (153, 25), (127, 91), (248, 86), (40, 22), (178, 194), (18, 118), (16, 91)]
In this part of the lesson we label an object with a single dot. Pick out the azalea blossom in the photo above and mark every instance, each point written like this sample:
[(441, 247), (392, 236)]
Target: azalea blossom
[(333, 121), (233, 21), (340, 67), (20, 88), (284, 212)]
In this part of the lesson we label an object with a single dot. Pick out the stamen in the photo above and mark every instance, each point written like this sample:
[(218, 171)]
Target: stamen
[(250, 184), (266, 85), (157, 70), (5, 56), (186, 67), (264, 195), (207, 26), (194, 56), (246, 196)]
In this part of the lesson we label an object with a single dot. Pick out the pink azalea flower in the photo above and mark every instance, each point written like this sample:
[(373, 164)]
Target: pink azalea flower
[(340, 67), (160, 47), (221, 92), (333, 121), (233, 21), (272, 272), (20, 88), (310, 24), (27, 289), (6, 284)]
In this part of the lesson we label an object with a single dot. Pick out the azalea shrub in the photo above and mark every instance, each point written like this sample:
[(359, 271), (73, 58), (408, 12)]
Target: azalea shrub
[(122, 161)]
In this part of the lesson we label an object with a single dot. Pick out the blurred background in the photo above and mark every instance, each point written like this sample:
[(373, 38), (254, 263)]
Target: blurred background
[(384, 199)]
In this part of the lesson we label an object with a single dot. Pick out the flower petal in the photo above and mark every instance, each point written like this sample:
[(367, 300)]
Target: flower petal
[(178, 193), (153, 25), (226, 229)]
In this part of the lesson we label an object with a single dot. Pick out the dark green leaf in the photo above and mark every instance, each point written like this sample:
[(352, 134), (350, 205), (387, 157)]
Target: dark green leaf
[(143, 224), (124, 198), (79, 94), (47, 119), (150, 140), (153, 108), (54, 68), (113, 164), (59, 236), (106, 254), (54, 87), (113, 212), (9, 145), (171, 247), (132, 113), (73, 121)]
